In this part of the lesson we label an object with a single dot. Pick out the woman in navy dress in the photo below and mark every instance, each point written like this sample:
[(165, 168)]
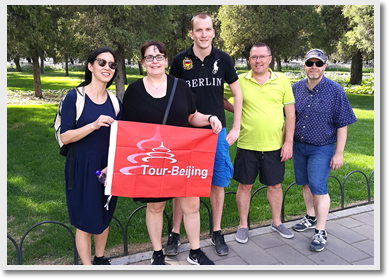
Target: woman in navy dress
[(90, 140)]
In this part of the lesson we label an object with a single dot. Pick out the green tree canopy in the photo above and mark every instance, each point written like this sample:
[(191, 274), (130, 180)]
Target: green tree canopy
[(361, 23), (123, 28), (69, 32), (358, 42), (30, 30), (285, 29)]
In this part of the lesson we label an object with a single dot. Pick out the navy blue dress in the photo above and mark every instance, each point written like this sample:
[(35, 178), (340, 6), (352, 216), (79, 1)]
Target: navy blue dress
[(86, 200)]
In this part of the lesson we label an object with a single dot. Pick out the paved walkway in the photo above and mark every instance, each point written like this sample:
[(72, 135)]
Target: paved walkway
[(350, 243)]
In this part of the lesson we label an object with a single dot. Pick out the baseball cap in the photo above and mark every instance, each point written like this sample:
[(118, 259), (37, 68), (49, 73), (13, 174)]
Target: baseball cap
[(315, 53)]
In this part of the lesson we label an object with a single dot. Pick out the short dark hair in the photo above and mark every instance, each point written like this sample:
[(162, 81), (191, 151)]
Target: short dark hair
[(159, 45), (92, 57), (261, 44), (199, 15)]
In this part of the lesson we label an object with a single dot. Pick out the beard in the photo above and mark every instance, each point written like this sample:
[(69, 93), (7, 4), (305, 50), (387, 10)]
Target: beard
[(314, 76)]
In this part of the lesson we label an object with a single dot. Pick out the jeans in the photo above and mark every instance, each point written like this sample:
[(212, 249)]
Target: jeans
[(312, 165)]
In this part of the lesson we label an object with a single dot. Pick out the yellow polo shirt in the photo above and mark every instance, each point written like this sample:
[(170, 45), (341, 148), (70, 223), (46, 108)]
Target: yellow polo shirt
[(262, 117)]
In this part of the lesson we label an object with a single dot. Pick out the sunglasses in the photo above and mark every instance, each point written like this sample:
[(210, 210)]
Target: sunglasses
[(319, 64), (150, 58), (102, 63)]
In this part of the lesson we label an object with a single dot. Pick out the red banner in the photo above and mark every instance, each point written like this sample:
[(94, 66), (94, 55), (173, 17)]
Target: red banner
[(150, 160)]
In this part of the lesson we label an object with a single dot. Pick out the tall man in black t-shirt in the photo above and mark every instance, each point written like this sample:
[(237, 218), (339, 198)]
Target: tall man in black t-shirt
[(205, 69)]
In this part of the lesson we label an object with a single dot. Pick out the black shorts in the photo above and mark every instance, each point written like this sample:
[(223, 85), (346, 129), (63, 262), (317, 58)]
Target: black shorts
[(248, 164)]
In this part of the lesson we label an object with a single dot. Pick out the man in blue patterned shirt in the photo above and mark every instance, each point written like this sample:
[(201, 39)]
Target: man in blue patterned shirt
[(323, 113)]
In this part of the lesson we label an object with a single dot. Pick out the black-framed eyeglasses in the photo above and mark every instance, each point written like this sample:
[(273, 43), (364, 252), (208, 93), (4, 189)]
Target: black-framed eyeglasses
[(319, 64), (150, 58), (102, 63), (259, 57)]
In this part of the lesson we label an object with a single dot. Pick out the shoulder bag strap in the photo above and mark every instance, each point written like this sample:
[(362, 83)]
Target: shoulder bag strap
[(80, 102), (170, 101), (79, 106), (114, 101)]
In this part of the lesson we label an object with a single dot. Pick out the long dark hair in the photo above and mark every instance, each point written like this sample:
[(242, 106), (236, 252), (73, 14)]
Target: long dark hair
[(92, 57)]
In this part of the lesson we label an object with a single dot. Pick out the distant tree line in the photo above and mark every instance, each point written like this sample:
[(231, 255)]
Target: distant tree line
[(67, 33)]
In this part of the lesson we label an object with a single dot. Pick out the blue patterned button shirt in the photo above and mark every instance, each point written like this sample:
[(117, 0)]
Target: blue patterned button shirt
[(320, 112)]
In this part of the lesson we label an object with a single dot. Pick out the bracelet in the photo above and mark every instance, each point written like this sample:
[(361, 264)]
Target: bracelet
[(208, 119)]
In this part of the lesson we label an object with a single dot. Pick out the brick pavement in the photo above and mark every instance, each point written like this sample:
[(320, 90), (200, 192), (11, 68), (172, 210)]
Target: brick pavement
[(350, 245)]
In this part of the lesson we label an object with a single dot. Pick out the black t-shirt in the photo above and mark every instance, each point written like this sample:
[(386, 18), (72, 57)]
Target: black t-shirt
[(206, 78), (139, 106)]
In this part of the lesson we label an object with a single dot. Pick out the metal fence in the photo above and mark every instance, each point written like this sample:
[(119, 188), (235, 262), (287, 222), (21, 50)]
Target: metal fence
[(124, 230)]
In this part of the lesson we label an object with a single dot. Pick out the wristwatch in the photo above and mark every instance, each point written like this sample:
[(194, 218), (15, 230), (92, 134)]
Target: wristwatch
[(210, 117)]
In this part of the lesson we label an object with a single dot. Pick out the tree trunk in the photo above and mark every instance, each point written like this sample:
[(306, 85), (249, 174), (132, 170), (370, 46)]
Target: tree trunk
[(245, 53), (272, 64), (120, 76), (42, 63), (17, 63), (125, 72), (278, 64), (67, 68), (66, 65), (141, 72), (36, 73), (356, 69)]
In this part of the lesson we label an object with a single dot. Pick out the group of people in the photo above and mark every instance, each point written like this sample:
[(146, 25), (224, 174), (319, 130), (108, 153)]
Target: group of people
[(272, 122)]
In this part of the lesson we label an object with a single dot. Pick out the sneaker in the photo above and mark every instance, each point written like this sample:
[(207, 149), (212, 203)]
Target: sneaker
[(319, 241), (100, 261), (199, 258), (173, 242), (242, 235), (282, 230), (157, 259), (219, 242), (305, 224)]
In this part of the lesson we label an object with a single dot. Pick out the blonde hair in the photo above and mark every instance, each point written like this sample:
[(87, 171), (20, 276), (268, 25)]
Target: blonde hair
[(199, 15)]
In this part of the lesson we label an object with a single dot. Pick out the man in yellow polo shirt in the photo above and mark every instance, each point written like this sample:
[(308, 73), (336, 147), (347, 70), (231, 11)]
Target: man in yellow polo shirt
[(262, 148)]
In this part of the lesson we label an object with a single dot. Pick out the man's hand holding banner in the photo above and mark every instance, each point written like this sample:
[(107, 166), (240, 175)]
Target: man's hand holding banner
[(150, 160)]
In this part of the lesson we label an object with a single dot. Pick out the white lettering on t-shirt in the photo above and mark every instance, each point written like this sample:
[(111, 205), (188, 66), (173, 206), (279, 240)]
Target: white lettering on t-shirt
[(204, 82)]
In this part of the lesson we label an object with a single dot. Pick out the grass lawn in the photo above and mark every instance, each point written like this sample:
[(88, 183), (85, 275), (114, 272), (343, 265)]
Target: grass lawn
[(36, 187), (20, 81), (54, 80)]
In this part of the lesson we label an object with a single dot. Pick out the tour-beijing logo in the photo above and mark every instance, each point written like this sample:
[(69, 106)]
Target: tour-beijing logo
[(160, 152)]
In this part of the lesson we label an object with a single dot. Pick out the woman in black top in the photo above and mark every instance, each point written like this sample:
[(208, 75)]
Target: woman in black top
[(145, 101)]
